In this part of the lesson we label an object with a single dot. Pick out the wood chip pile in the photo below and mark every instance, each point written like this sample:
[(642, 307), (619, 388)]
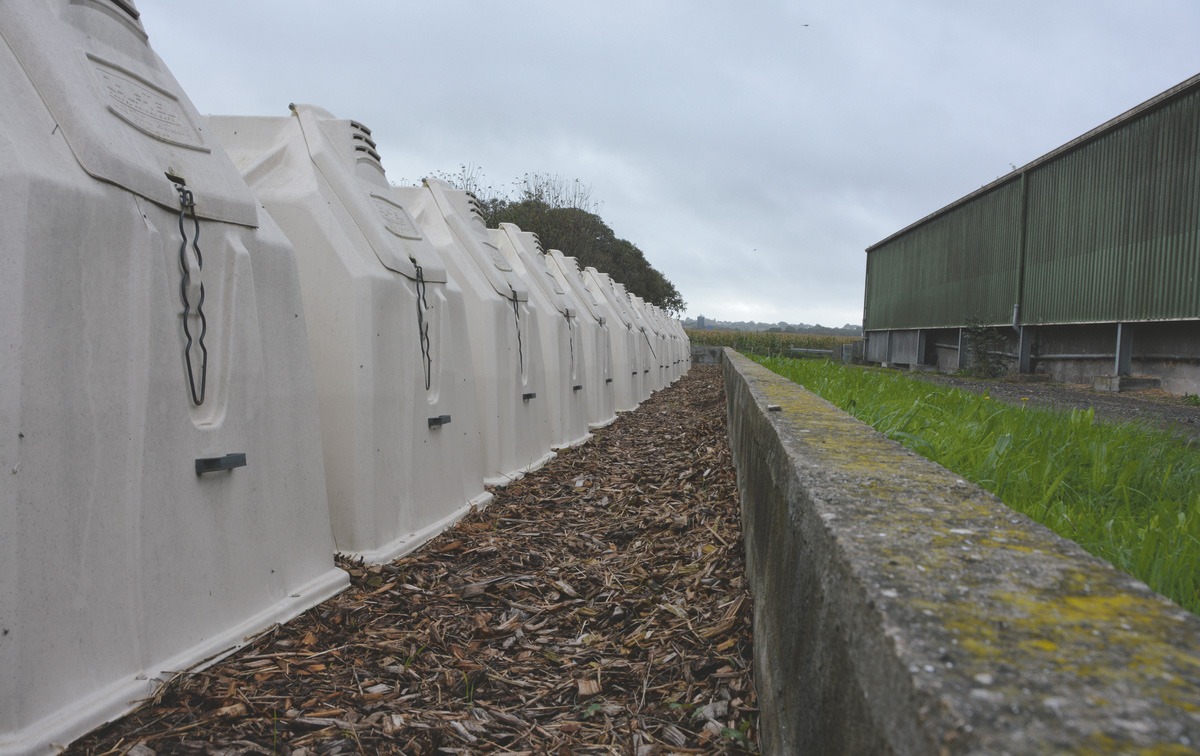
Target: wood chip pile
[(598, 605)]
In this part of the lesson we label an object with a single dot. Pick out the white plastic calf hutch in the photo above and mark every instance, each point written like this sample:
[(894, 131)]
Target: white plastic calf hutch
[(164, 489), (562, 345), (669, 349), (645, 338), (684, 345), (504, 330), (664, 325), (628, 342), (386, 327), (682, 357), (593, 318), (658, 345)]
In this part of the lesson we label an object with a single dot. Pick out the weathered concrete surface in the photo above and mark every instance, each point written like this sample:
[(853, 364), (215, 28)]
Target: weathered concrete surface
[(899, 609)]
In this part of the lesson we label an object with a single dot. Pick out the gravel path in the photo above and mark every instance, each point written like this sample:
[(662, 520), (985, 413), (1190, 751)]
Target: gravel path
[(598, 605), (1154, 407)]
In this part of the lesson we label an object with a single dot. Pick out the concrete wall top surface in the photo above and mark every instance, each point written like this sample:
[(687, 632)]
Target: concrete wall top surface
[(901, 609)]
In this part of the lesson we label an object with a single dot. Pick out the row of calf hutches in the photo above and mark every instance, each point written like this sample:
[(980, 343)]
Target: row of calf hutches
[(660, 358), (385, 325), (229, 348), (643, 348), (163, 489), (560, 334), (624, 344), (598, 374), (504, 331)]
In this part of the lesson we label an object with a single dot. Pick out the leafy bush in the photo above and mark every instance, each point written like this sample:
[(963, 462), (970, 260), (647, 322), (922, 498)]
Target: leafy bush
[(565, 216), (985, 346)]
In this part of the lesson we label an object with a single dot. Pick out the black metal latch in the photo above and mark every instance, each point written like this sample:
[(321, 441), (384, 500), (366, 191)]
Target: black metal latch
[(527, 396), (218, 464), (439, 421)]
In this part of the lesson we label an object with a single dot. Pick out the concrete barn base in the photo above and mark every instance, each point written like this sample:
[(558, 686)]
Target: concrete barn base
[(1117, 383)]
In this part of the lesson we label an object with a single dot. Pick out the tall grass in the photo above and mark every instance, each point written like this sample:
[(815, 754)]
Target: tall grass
[(764, 343), (1127, 493)]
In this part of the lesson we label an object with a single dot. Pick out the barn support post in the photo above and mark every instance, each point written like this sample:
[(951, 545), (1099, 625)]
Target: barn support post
[(1025, 350), (1124, 357)]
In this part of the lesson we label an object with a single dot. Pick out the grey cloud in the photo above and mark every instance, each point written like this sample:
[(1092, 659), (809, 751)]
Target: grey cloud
[(751, 157)]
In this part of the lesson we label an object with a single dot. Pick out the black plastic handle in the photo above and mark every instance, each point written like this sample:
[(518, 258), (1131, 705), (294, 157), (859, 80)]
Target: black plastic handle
[(219, 464), (439, 421), (528, 396)]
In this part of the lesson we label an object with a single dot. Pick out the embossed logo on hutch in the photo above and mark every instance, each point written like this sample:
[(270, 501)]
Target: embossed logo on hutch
[(146, 108)]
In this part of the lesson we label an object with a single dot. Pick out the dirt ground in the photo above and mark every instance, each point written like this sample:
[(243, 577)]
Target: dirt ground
[(598, 605), (1151, 406)]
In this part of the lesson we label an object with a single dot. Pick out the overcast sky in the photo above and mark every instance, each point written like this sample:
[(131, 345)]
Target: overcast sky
[(752, 150)]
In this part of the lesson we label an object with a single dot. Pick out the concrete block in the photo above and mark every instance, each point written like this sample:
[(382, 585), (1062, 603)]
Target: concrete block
[(703, 354), (854, 352), (1118, 383), (899, 609)]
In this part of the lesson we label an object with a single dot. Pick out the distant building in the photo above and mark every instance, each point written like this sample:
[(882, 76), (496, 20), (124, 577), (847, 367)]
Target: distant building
[(1083, 265), (700, 322)]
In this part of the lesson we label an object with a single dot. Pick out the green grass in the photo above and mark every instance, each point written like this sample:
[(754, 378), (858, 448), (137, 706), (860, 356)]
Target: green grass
[(1125, 492)]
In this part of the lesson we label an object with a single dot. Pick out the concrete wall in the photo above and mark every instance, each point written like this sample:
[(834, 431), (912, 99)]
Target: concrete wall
[(895, 347), (1076, 353), (942, 346), (1075, 341), (1167, 351), (899, 609)]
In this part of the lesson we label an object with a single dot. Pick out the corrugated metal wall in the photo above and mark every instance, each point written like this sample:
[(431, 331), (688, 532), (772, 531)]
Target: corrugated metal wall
[(1112, 228), (1111, 232), (905, 347), (877, 346), (960, 265)]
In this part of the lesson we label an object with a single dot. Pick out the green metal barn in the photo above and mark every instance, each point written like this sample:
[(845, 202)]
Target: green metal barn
[(1086, 261)]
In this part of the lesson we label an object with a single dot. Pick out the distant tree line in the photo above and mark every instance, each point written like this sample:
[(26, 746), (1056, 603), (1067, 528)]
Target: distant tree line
[(564, 215), (701, 322)]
